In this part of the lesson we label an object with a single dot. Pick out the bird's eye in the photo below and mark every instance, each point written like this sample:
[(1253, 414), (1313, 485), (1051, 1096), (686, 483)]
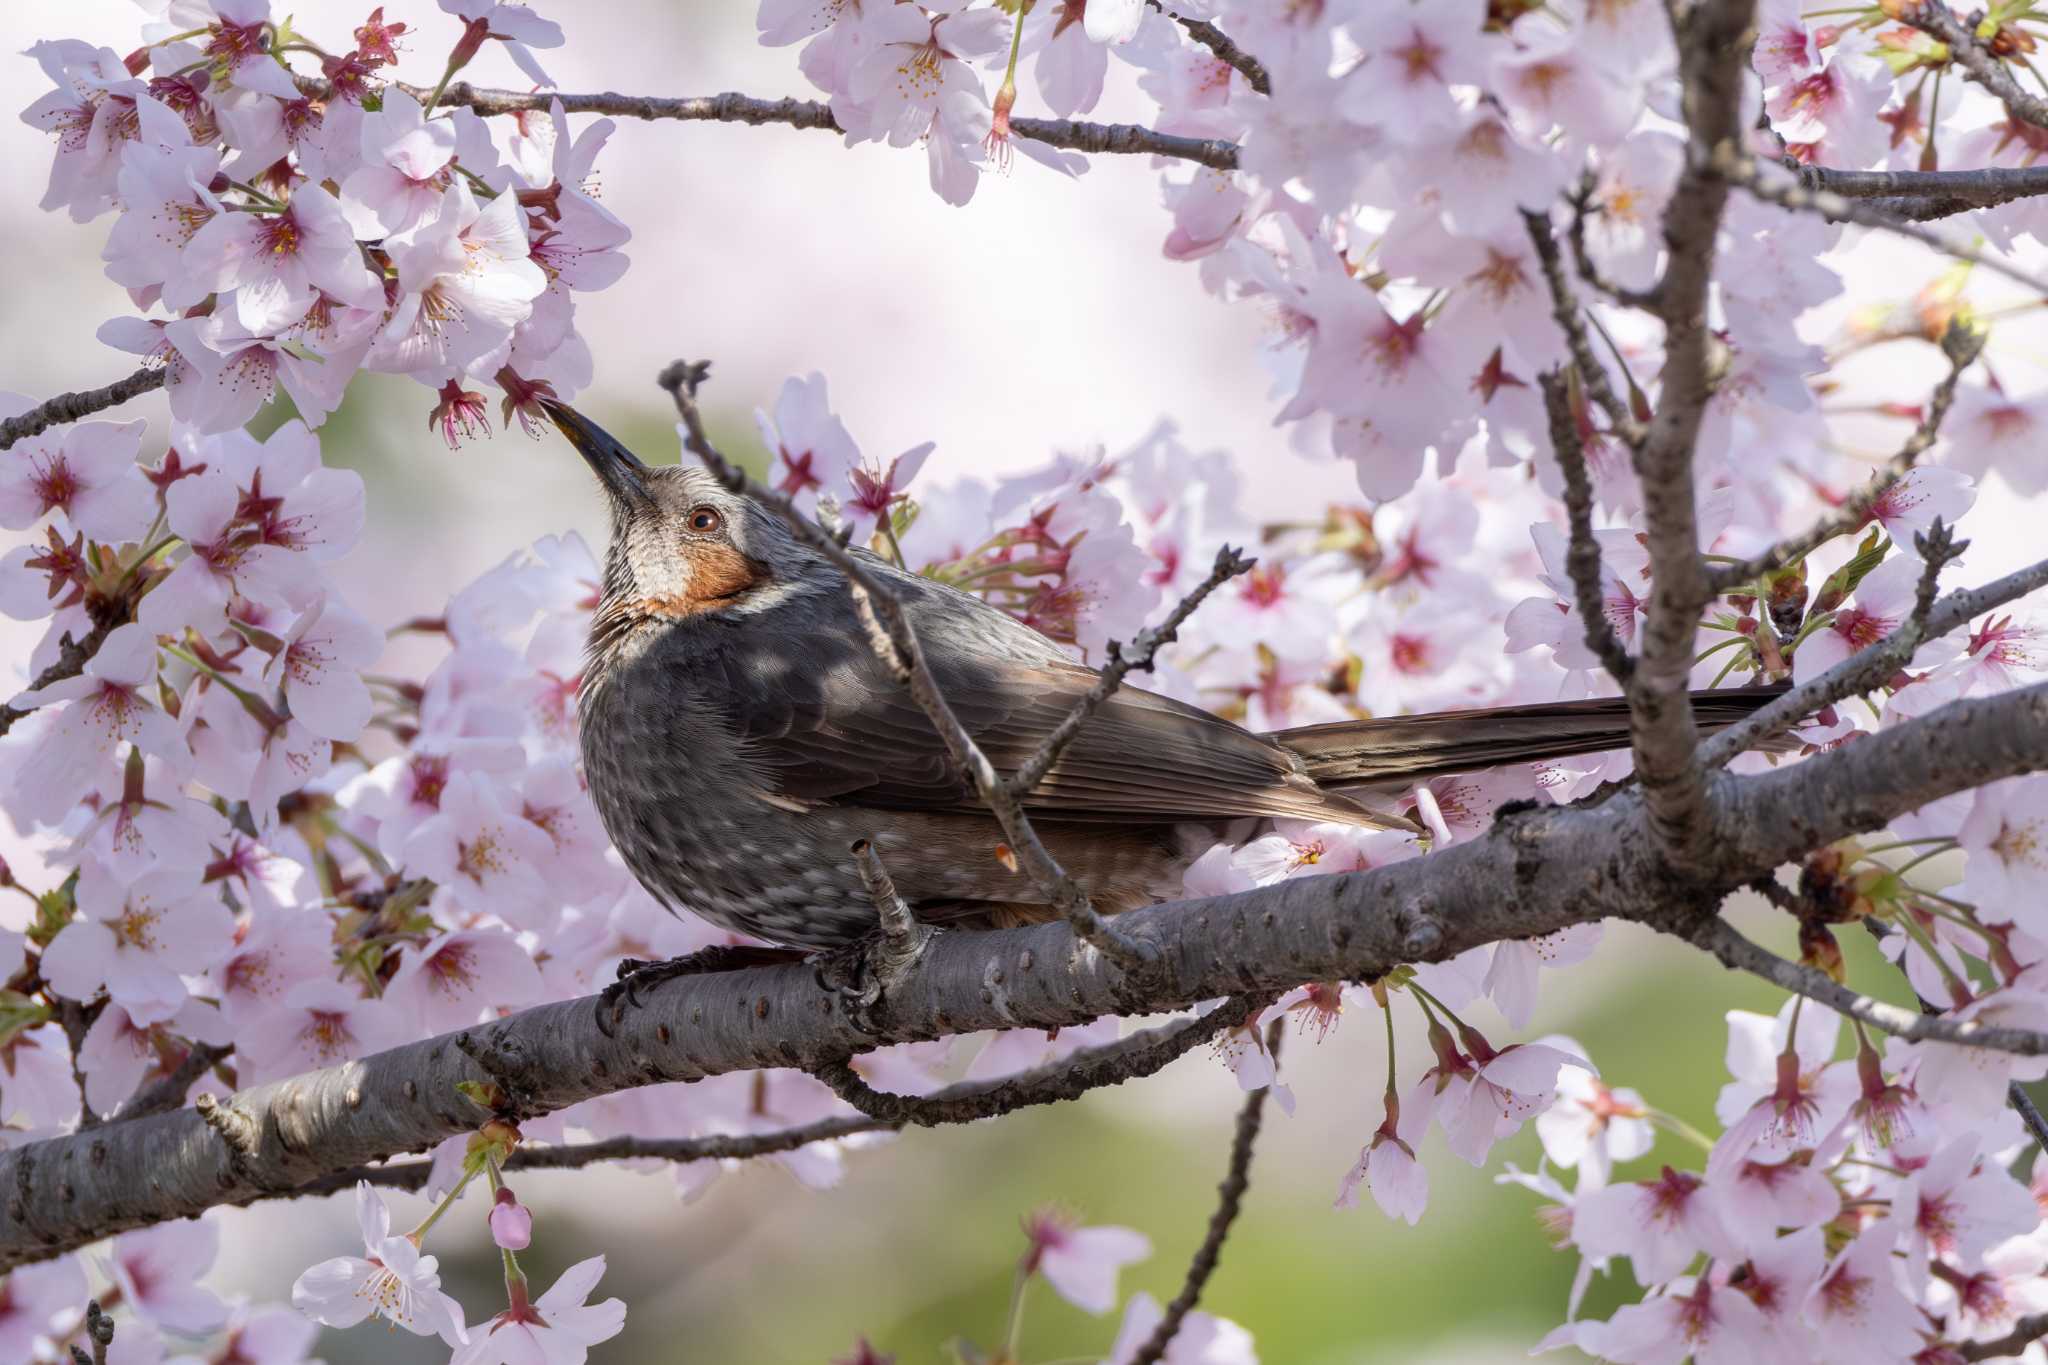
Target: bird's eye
[(705, 520)]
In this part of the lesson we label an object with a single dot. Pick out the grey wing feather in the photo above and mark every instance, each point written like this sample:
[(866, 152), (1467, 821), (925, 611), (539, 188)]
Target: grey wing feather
[(825, 722)]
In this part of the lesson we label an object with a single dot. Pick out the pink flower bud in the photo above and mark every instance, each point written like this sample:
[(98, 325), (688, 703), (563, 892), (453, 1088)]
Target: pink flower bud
[(511, 1221)]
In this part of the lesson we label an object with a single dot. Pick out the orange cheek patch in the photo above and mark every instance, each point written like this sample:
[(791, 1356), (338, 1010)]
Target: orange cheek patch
[(718, 573)]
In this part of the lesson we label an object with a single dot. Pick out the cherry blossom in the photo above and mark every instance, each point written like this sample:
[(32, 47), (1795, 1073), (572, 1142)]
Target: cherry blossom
[(1081, 1263), (391, 1280), (156, 1270), (86, 471), (103, 707), (558, 1328), (1203, 1339), (1857, 1310), (136, 941)]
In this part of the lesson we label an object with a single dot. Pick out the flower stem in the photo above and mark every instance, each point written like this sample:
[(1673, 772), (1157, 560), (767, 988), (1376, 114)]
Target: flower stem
[(447, 1201)]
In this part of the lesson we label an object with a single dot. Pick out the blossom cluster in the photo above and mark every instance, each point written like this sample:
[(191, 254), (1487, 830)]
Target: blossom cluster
[(265, 856), (287, 215)]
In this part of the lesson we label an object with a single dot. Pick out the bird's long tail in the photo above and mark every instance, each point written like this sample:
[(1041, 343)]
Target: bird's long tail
[(1401, 751)]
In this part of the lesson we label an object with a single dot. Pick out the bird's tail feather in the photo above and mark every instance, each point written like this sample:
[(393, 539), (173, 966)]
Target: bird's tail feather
[(1402, 751)]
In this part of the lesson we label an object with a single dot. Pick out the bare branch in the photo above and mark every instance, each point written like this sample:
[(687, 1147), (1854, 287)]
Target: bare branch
[(1870, 666), (1565, 865), (2023, 1104), (1791, 194), (1925, 195), (2023, 1334), (1714, 38), (1119, 138), (168, 1092), (1582, 560), (1962, 343), (1581, 202), (1229, 1199), (1564, 307), (413, 1175), (1229, 564), (1936, 18), (905, 657), (1224, 46), (1718, 937), (70, 407), (1128, 1059)]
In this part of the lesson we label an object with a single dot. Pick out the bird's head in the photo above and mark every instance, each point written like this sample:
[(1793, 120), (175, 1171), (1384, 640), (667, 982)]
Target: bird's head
[(683, 545)]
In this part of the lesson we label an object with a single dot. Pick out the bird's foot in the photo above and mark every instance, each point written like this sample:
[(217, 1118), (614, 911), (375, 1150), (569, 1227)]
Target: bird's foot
[(636, 976), (861, 974)]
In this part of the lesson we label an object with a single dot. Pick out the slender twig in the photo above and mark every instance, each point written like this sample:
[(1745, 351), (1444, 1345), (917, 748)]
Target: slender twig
[(732, 107), (413, 1175), (1229, 564), (168, 1092), (897, 646), (70, 407), (1581, 202), (1788, 193), (1718, 937), (1962, 344), (1871, 665), (1936, 18), (1564, 307), (72, 657), (2024, 1332), (1127, 1059), (1224, 46), (1582, 559), (1229, 1199), (2023, 1104)]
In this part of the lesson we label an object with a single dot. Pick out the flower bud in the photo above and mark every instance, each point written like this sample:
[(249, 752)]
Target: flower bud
[(511, 1221)]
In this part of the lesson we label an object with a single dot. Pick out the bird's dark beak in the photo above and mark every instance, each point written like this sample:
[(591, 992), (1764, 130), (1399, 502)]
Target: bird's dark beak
[(618, 468)]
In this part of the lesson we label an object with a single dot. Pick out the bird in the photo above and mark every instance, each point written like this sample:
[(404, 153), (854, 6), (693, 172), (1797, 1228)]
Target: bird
[(740, 735)]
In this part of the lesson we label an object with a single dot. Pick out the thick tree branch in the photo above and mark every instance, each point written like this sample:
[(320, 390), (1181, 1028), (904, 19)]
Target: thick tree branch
[(1714, 39), (731, 107), (1229, 1200), (70, 407), (1790, 194), (896, 645), (1870, 666), (1718, 937), (1925, 195), (1582, 559), (1537, 870), (1962, 344)]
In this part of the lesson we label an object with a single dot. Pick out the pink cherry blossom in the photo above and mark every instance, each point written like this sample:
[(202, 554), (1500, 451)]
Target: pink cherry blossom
[(450, 980), (1592, 1126), (558, 1328), (1706, 1323), (517, 26), (1203, 1339), (318, 1023), (277, 263), (1858, 1311), (87, 471), (103, 708), (1660, 1225), (405, 169), (809, 447), (137, 942), (391, 1280), (31, 1297), (1081, 1263), (488, 857), (1958, 1206), (156, 1271), (319, 669)]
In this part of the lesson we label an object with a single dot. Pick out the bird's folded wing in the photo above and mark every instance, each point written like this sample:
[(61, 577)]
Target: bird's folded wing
[(826, 723)]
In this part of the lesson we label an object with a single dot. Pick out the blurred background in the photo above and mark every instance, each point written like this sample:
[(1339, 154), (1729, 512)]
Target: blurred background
[(1041, 317)]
